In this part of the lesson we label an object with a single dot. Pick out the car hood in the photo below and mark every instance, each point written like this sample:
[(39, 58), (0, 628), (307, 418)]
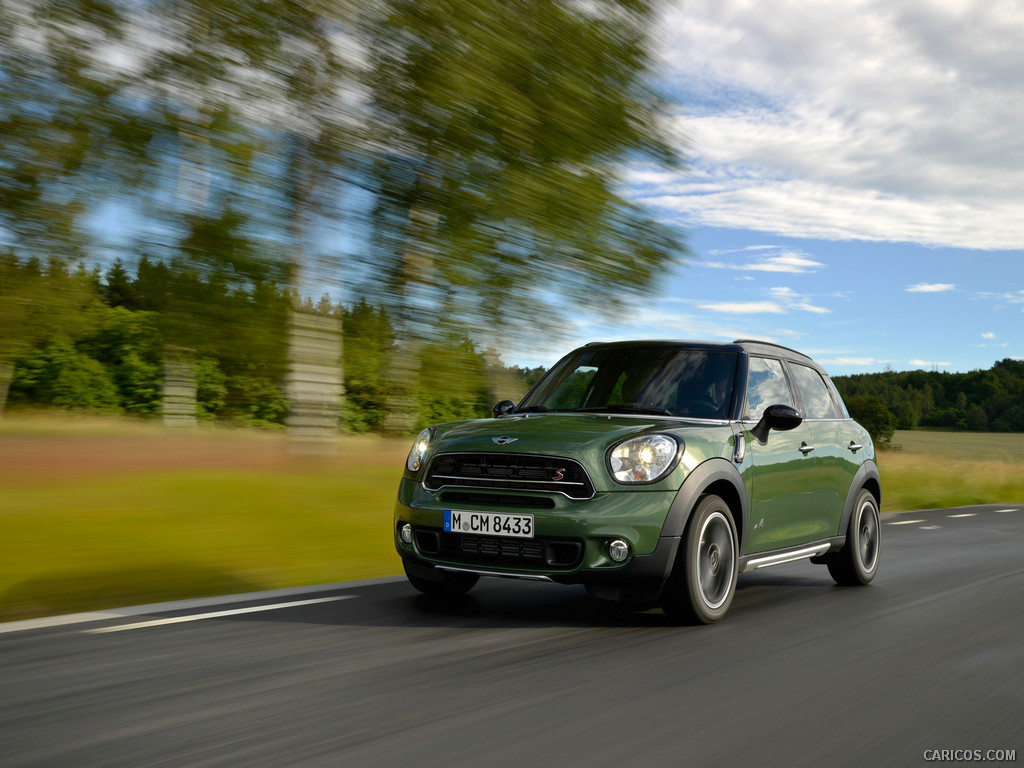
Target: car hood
[(556, 434)]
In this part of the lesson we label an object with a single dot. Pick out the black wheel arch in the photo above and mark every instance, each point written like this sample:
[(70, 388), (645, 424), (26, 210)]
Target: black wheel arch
[(720, 477), (866, 479)]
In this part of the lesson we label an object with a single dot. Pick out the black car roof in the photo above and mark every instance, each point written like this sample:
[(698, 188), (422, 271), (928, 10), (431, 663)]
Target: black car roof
[(749, 346)]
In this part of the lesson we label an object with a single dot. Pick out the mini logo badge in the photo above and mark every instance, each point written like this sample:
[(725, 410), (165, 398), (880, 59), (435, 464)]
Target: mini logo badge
[(503, 440)]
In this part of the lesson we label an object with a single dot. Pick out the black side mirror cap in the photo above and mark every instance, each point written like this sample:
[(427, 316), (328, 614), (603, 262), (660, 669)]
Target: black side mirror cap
[(502, 408), (780, 417)]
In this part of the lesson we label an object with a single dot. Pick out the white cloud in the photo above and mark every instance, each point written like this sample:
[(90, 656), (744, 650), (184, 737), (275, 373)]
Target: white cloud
[(988, 335), (787, 261), (867, 120), (743, 307), (793, 300), (928, 363), (860, 362), (930, 288)]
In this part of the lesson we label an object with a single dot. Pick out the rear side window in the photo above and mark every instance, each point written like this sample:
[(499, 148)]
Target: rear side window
[(766, 385), (813, 391)]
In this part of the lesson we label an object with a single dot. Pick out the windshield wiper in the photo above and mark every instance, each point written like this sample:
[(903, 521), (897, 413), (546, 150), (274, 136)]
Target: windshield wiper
[(625, 409)]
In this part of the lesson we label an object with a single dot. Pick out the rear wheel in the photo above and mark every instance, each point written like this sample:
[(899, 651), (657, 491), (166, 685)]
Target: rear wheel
[(703, 579), (857, 562), (450, 584)]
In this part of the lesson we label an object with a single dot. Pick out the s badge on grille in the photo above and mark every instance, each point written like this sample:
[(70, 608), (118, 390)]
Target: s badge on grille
[(504, 440)]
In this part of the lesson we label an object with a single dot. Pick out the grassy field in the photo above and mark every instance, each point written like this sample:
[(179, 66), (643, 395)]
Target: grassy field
[(99, 515), (931, 470), (92, 517)]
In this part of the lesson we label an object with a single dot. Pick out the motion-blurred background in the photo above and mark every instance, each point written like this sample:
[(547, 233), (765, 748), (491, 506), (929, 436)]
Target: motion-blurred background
[(318, 213)]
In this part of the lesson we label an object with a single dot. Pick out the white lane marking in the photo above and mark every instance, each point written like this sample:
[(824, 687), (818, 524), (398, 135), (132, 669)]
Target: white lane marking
[(965, 514), (214, 614), (930, 527), (904, 522), (25, 625), (1004, 511)]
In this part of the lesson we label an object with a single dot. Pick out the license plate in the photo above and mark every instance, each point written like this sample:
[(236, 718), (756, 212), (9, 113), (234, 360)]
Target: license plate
[(488, 523)]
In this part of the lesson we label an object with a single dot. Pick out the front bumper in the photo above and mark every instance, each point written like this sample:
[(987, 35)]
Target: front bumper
[(570, 545)]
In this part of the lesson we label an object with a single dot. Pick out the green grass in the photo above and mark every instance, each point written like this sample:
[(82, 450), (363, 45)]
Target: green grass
[(934, 470), (81, 538), (89, 520)]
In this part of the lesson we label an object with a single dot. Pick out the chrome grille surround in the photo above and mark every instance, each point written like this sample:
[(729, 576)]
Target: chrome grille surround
[(509, 472)]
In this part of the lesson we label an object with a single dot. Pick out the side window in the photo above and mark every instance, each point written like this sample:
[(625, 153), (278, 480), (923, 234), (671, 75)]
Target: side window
[(766, 385), (814, 392)]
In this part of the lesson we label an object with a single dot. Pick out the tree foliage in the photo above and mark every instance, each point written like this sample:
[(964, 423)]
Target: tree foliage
[(991, 400), (506, 126)]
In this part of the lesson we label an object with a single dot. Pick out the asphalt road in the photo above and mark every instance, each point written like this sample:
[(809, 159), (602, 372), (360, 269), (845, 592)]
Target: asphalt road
[(800, 673)]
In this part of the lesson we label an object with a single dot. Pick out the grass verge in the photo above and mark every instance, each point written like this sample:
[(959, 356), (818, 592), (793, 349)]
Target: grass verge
[(91, 522)]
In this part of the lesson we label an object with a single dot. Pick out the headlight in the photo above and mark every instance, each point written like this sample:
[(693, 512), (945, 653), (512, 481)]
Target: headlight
[(419, 450), (644, 459)]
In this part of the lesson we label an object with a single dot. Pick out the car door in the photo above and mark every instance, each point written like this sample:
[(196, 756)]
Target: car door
[(781, 498), (833, 461)]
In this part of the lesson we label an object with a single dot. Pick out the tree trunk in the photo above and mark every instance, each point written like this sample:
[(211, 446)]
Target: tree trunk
[(6, 374), (179, 396), (316, 390)]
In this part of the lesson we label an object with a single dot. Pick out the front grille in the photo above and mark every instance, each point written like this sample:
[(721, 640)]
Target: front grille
[(509, 472), (498, 551), (498, 500)]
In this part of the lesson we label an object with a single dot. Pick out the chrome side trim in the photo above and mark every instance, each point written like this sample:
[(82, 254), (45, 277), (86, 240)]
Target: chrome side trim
[(785, 557), (501, 574)]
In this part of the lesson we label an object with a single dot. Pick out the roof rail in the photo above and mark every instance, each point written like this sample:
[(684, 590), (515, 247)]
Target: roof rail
[(769, 344)]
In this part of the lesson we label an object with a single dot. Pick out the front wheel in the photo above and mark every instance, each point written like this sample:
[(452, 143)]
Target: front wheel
[(451, 583), (857, 562), (703, 579)]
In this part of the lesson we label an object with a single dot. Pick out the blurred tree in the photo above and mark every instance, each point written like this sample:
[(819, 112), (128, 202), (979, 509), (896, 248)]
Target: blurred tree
[(504, 128), (54, 119), (368, 339), (39, 306)]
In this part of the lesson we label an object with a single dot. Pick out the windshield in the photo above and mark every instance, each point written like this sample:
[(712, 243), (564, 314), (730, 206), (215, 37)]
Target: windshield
[(669, 381)]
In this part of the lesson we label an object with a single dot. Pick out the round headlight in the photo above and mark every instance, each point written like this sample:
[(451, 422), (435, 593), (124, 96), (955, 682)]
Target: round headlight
[(644, 459), (418, 451)]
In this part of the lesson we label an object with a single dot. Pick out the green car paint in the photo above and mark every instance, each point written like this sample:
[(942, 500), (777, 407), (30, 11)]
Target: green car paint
[(782, 487)]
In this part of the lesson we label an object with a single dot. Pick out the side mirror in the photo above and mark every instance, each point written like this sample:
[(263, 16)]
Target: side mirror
[(502, 408), (780, 417)]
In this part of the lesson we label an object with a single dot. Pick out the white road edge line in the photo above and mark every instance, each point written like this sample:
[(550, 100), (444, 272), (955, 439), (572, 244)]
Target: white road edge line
[(214, 614), (965, 514), (1004, 511), (905, 522)]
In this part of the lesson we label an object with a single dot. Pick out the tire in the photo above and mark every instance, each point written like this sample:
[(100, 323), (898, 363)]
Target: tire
[(451, 583), (703, 579), (857, 562)]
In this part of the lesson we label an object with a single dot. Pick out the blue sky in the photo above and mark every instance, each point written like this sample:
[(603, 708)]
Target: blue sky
[(855, 186)]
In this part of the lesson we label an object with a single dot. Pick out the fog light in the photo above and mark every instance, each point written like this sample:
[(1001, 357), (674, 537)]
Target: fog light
[(407, 533), (618, 550)]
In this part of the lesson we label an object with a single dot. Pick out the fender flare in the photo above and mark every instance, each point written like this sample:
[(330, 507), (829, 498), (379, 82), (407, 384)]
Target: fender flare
[(867, 473), (706, 474)]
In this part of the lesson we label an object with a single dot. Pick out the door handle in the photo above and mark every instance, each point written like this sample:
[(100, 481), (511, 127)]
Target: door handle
[(854, 447), (806, 449)]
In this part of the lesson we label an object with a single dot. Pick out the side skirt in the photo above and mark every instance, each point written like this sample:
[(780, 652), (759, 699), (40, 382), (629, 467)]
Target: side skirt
[(813, 551)]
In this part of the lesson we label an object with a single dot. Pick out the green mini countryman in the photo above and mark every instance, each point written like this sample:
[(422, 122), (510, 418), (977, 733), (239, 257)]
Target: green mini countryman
[(647, 471)]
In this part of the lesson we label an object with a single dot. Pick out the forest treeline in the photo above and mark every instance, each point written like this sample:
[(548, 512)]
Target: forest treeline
[(989, 400), (86, 340)]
